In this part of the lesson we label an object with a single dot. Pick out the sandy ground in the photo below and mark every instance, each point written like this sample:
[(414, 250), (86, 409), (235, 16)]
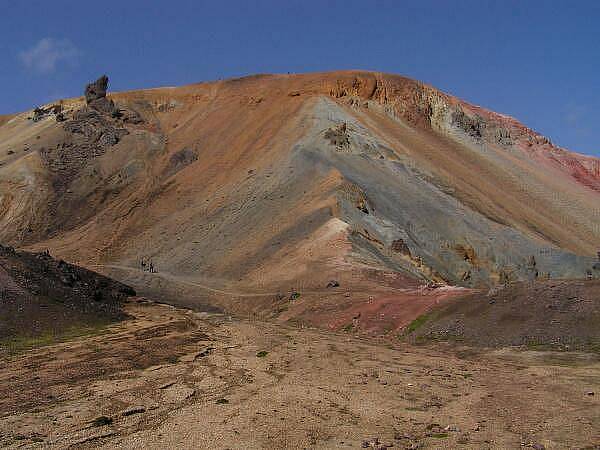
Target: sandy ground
[(174, 378)]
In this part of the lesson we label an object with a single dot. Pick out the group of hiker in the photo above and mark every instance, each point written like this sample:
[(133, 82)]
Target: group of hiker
[(147, 265)]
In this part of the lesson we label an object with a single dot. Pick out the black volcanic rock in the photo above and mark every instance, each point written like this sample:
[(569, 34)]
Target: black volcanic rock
[(95, 96), (96, 90), (40, 294), (41, 113)]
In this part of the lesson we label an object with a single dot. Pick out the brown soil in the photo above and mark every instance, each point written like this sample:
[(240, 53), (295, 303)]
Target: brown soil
[(172, 378), (5, 118)]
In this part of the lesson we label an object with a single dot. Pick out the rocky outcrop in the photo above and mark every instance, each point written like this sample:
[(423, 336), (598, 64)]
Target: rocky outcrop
[(41, 113), (91, 131), (96, 90), (89, 135), (339, 137), (472, 126), (95, 96), (180, 160), (356, 197), (399, 246)]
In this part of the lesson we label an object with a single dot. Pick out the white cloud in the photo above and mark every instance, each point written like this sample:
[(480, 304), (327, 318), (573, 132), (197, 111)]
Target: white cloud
[(45, 56)]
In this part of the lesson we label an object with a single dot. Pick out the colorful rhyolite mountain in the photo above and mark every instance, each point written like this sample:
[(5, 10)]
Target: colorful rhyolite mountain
[(237, 190)]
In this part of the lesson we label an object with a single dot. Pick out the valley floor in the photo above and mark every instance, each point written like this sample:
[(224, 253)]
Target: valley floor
[(174, 378)]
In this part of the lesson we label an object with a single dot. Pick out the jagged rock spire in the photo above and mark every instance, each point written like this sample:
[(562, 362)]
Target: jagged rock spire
[(96, 90)]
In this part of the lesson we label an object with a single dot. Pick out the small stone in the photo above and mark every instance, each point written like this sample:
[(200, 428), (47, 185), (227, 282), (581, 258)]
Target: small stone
[(399, 436), (133, 410), (371, 443), (101, 421), (207, 351)]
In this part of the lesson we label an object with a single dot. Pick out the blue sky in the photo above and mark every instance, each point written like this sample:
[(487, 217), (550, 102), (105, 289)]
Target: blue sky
[(538, 61)]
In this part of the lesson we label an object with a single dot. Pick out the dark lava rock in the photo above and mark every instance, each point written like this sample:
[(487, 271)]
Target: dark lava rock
[(40, 294), (473, 126), (95, 96), (91, 133), (339, 136), (111, 136), (103, 105), (128, 115), (101, 421), (96, 90), (133, 410), (38, 114), (41, 113), (179, 160), (399, 246)]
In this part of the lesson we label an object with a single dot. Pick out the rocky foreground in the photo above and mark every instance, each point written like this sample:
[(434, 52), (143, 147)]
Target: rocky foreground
[(173, 378)]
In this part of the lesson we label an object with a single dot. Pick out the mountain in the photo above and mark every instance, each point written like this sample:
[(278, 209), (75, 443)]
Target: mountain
[(254, 194)]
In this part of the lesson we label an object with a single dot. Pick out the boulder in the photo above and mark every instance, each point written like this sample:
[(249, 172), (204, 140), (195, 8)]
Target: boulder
[(95, 96), (96, 90)]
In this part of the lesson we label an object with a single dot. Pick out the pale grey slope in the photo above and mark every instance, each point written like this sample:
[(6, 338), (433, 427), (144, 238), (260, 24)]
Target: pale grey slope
[(403, 203)]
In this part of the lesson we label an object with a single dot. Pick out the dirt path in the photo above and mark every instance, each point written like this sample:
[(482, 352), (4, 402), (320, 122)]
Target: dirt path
[(182, 280), (173, 378)]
